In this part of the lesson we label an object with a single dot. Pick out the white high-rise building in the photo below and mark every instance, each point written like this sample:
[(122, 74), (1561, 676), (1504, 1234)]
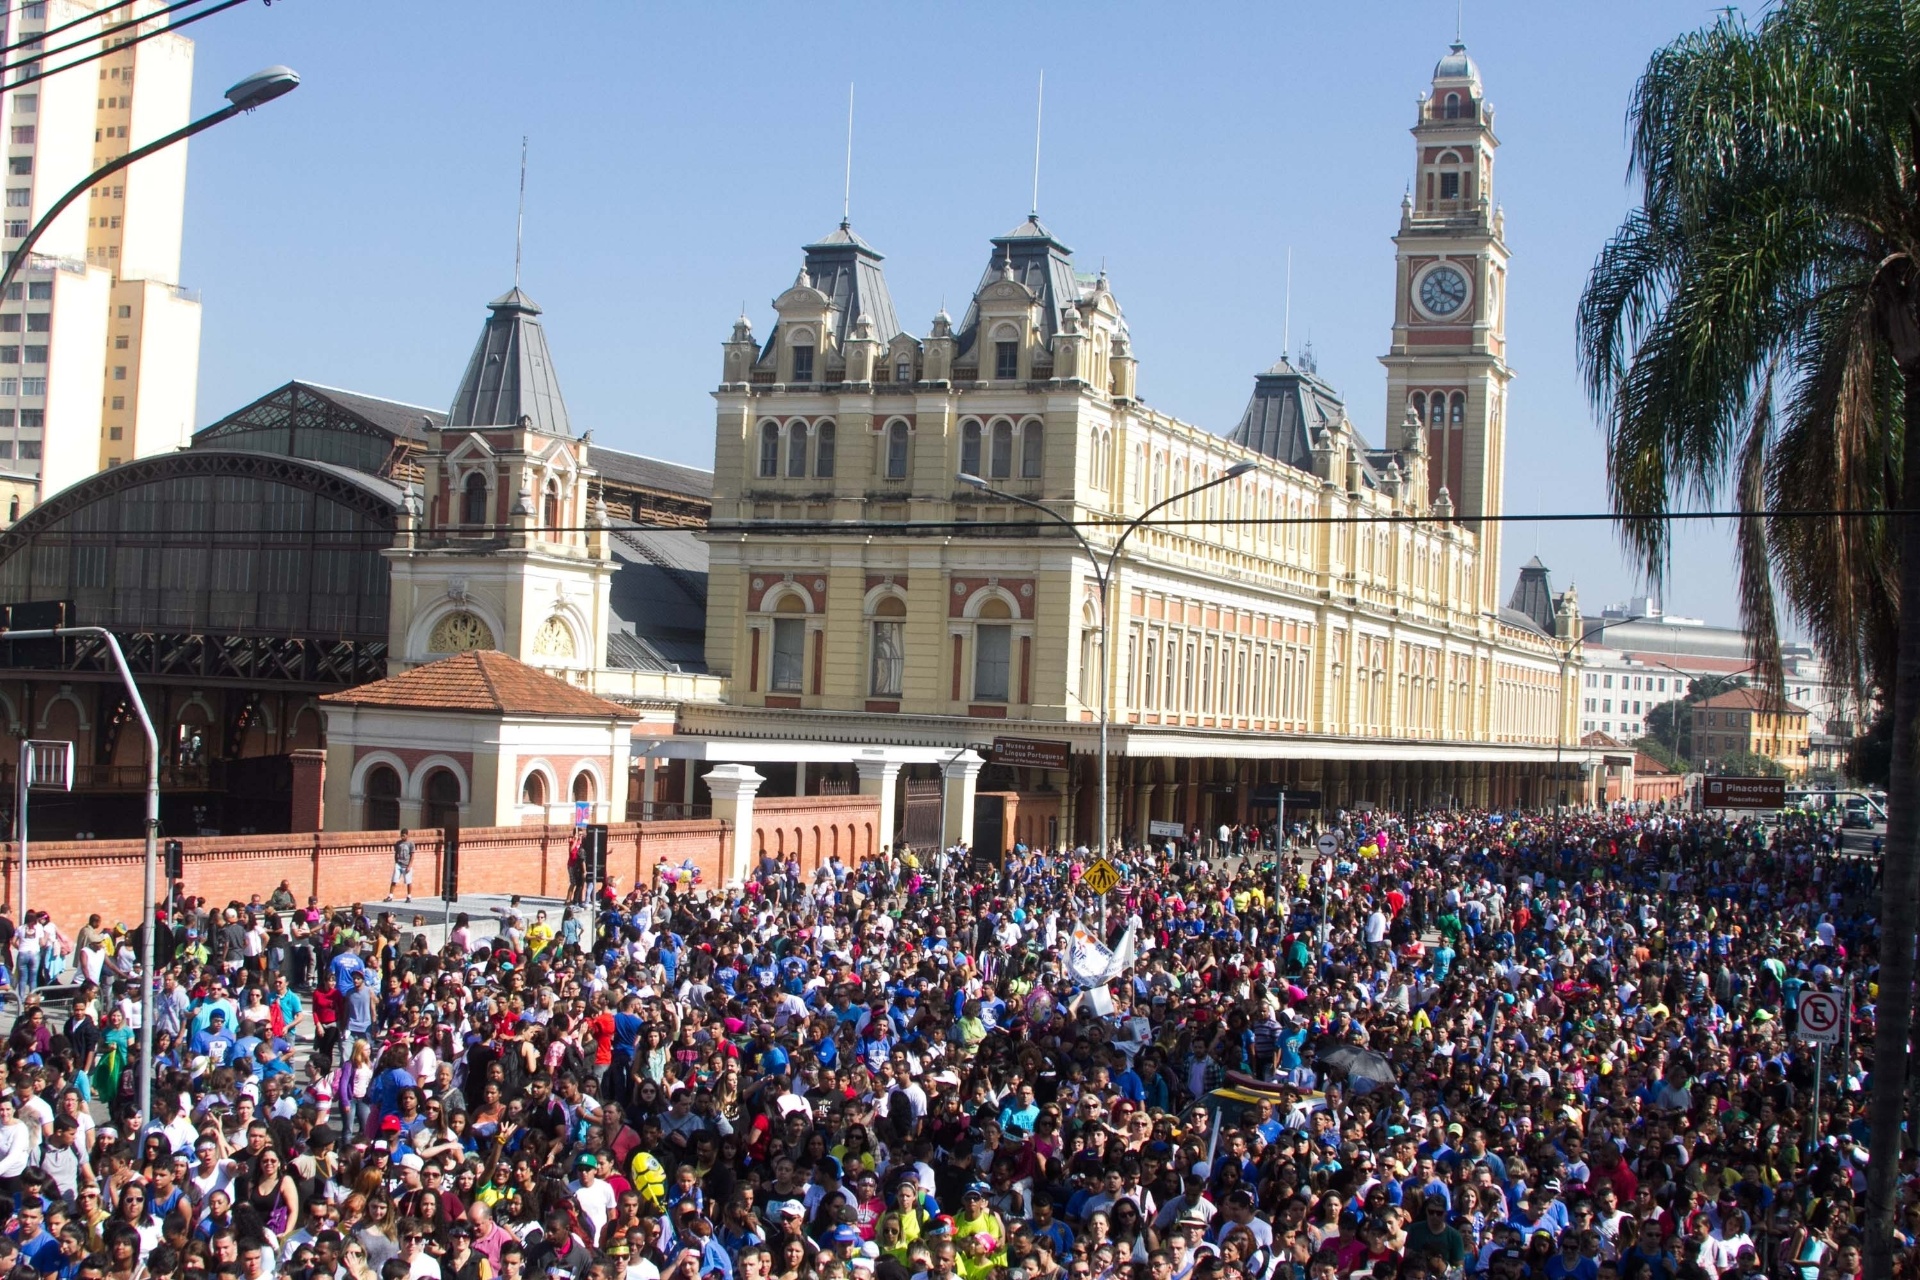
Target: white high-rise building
[(99, 343)]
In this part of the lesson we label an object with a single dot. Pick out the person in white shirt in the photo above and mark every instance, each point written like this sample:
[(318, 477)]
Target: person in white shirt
[(596, 1197), (16, 1147)]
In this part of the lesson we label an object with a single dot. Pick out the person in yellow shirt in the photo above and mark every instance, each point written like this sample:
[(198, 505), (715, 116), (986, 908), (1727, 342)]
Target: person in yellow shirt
[(981, 1235), (539, 935)]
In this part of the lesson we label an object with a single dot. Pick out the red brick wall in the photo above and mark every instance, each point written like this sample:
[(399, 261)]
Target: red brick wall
[(74, 878), (817, 827)]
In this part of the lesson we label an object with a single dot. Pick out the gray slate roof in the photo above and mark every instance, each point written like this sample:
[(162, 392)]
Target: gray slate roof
[(1041, 263), (659, 600), (649, 473), (1532, 596), (511, 374), (847, 269), (1289, 405)]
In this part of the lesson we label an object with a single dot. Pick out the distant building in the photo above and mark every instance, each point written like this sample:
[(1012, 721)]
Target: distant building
[(99, 342), (1748, 720)]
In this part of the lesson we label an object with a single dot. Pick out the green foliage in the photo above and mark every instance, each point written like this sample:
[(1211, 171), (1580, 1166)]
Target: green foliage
[(1662, 752), (1747, 764)]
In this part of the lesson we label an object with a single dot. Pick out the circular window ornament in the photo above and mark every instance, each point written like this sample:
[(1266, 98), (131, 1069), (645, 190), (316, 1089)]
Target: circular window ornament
[(459, 632), (1443, 291)]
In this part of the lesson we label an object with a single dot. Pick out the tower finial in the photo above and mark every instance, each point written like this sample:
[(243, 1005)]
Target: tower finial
[(1459, 21), (846, 201), (1039, 105), (520, 217), (1286, 322)]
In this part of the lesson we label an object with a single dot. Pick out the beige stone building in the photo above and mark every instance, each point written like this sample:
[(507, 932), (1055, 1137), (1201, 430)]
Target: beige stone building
[(1327, 622)]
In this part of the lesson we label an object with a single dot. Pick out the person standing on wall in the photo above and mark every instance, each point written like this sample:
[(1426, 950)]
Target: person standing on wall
[(402, 866)]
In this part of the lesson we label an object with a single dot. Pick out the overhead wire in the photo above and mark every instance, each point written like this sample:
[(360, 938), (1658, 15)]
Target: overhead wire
[(65, 26), (143, 36)]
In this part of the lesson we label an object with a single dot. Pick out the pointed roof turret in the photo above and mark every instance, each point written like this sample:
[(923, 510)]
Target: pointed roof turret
[(511, 374), (847, 269), (1290, 408), (1031, 255)]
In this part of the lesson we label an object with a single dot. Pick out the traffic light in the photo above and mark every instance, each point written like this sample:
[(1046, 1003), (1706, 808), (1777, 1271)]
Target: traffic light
[(176, 860), (593, 852)]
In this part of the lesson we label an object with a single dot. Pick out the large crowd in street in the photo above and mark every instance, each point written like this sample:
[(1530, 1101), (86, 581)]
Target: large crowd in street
[(1501, 1045)]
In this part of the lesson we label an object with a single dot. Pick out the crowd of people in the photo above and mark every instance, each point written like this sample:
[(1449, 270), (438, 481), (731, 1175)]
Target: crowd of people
[(1511, 1046)]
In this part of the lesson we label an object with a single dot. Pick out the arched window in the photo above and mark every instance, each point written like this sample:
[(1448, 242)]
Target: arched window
[(1418, 403), (442, 794), (1001, 459), (583, 788), (1032, 449), (550, 509), (789, 645), (888, 659), (1453, 106), (534, 790), (1456, 409), (769, 449), (993, 653), (382, 811), (823, 451), (796, 450), (473, 510), (970, 449), (897, 451)]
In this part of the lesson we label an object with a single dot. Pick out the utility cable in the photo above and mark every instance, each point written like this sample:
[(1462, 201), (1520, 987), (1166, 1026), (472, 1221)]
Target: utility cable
[(187, 21)]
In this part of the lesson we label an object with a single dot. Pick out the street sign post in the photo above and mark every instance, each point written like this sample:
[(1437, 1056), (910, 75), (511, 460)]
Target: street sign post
[(1743, 793), (1819, 1023), (1820, 1016), (1328, 845), (1101, 877)]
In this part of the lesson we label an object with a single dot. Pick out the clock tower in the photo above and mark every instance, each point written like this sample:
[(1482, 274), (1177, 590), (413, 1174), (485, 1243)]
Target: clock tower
[(1448, 362)]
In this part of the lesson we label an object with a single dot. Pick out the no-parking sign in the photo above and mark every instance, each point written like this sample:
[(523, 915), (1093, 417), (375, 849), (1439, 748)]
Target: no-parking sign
[(1819, 1017)]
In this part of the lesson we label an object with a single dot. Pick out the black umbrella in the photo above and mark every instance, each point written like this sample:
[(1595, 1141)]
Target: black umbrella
[(1364, 1069)]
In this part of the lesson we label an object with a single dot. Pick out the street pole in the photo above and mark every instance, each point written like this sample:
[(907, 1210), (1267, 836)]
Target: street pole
[(20, 809), (147, 929), (1279, 838), (261, 87), (1103, 576)]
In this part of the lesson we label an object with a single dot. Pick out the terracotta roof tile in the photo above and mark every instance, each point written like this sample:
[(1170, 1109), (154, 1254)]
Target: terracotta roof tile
[(483, 680), (1749, 699)]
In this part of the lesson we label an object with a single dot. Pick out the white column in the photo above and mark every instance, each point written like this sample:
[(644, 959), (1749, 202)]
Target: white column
[(881, 778), (646, 791), (962, 782), (800, 778), (733, 787)]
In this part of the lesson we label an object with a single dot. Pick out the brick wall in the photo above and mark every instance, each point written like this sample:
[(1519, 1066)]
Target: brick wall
[(72, 879), (817, 827)]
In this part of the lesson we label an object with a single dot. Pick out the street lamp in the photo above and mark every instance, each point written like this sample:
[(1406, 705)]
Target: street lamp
[(148, 925), (257, 89), (1103, 576)]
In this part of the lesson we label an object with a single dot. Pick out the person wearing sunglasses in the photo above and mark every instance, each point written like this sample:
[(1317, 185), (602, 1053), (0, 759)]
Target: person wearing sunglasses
[(421, 1265)]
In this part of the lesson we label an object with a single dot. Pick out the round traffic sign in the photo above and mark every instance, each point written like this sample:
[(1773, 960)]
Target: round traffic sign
[(1328, 844), (1819, 1016)]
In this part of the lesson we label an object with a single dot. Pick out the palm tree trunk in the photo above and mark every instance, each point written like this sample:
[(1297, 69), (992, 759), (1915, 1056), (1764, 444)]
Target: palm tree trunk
[(1900, 891)]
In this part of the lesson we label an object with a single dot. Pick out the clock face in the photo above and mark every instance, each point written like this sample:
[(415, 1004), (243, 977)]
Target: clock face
[(1443, 291)]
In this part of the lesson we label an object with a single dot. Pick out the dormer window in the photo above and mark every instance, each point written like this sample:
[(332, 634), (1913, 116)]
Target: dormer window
[(903, 371), (1453, 107), (803, 363), (473, 500), (1006, 361)]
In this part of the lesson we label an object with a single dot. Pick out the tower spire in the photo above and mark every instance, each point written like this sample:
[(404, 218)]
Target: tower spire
[(520, 215), (1039, 105), (846, 200)]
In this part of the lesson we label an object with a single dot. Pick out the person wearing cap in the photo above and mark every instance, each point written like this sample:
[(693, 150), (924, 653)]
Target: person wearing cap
[(979, 1232), (595, 1196)]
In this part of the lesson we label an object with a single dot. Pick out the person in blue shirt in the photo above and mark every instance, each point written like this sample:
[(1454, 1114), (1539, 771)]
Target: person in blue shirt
[(1569, 1263), (344, 966), (215, 1042), (1020, 1112), (37, 1245)]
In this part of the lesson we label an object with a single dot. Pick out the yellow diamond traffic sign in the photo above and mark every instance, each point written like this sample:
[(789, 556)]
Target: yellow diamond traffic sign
[(1101, 877)]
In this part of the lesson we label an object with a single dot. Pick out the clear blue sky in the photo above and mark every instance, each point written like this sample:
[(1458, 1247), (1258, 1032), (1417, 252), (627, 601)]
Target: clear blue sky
[(352, 233)]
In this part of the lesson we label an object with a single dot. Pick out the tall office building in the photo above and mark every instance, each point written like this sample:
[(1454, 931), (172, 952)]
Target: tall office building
[(99, 343)]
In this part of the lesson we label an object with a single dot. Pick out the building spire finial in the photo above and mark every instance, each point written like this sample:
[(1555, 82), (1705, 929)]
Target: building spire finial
[(1039, 106), (846, 200), (520, 217)]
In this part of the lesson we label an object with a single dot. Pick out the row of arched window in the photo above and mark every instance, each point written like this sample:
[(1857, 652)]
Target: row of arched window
[(994, 446), (803, 449), (475, 508), (1439, 408)]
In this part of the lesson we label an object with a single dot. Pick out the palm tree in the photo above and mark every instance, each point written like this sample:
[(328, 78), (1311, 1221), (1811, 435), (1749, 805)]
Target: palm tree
[(1752, 333)]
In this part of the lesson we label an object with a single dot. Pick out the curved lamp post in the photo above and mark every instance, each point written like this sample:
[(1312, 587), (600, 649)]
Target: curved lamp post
[(259, 88), (1103, 576)]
